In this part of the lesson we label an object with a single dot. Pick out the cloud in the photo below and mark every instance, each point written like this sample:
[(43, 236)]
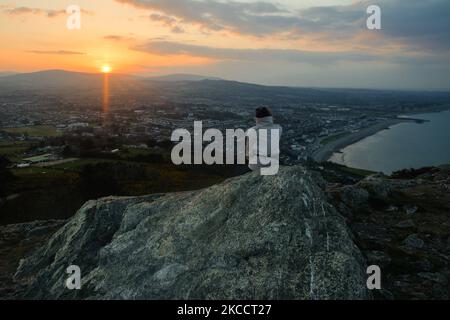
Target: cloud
[(167, 21), (417, 24), (38, 11), (56, 52), (259, 18), (263, 55), (219, 15), (118, 38), (177, 29), (420, 23)]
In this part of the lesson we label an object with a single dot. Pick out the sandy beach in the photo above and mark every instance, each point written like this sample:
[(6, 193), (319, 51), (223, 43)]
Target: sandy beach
[(326, 151)]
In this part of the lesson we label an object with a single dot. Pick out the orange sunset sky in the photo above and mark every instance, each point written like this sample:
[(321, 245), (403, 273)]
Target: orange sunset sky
[(287, 42)]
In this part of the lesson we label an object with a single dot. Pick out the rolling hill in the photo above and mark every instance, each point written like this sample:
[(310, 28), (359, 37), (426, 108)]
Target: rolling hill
[(197, 89)]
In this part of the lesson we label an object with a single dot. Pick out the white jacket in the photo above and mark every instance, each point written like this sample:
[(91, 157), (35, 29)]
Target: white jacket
[(253, 148)]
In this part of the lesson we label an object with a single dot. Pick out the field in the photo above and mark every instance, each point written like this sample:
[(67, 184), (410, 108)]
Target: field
[(13, 150), (78, 165), (58, 191), (35, 131)]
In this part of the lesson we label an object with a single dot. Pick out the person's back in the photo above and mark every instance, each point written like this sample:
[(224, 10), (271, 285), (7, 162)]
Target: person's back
[(260, 149)]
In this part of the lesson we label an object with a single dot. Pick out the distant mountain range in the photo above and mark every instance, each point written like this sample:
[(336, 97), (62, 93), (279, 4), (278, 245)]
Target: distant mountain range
[(187, 88), (66, 80), (7, 73), (183, 77), (56, 78)]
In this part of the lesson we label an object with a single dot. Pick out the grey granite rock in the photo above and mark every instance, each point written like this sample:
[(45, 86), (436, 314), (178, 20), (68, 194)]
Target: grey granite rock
[(17, 240), (354, 196), (378, 258), (251, 237), (413, 241), (435, 277), (405, 224)]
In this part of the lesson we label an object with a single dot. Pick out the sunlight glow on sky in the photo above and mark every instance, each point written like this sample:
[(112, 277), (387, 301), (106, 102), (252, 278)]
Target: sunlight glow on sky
[(286, 42)]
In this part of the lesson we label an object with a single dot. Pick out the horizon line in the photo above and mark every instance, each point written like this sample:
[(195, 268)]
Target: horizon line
[(436, 90)]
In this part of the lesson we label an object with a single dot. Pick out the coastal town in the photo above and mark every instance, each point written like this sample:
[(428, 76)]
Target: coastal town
[(37, 129), (67, 138)]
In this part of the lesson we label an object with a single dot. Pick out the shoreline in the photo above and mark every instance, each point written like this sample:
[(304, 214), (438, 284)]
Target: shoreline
[(324, 153)]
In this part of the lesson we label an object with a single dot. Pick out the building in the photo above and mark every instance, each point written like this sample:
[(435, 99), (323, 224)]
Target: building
[(40, 159)]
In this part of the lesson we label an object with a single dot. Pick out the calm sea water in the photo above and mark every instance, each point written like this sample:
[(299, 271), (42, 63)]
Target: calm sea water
[(405, 145)]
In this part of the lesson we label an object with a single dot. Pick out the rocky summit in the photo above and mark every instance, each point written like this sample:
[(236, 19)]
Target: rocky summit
[(250, 237), (401, 223)]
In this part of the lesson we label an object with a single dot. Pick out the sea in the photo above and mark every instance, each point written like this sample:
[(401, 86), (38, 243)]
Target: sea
[(403, 146)]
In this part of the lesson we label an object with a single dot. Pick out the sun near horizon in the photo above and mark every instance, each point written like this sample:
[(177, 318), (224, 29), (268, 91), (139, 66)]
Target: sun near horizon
[(106, 69)]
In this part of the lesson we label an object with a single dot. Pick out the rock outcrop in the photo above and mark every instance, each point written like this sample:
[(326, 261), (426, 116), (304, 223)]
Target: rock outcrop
[(403, 226), (251, 237), (17, 240)]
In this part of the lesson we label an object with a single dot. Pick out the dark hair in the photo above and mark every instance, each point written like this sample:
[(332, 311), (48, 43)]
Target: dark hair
[(263, 112)]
